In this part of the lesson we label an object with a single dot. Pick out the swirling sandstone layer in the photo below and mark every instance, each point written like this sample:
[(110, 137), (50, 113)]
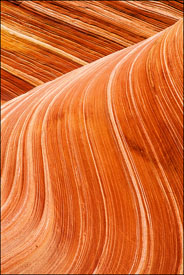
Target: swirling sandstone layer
[(42, 40), (92, 167)]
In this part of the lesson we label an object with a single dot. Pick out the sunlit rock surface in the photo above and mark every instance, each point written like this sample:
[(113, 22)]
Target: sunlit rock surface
[(42, 40), (92, 167)]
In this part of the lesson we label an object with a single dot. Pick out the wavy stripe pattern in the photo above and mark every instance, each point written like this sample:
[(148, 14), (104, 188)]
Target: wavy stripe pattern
[(42, 40), (92, 167)]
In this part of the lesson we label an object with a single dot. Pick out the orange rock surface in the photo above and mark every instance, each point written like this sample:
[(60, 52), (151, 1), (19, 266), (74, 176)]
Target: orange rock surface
[(92, 167), (42, 40)]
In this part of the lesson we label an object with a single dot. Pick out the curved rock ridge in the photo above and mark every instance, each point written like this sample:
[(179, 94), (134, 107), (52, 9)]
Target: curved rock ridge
[(92, 167), (41, 40)]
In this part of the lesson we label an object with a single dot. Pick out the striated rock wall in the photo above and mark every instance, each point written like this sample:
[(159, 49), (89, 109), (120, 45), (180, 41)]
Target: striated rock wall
[(92, 166), (42, 40)]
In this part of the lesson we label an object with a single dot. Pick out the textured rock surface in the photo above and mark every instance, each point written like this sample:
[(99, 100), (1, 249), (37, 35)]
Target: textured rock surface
[(92, 167), (42, 40)]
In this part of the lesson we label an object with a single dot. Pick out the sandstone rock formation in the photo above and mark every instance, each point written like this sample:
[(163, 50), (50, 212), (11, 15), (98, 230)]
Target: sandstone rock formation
[(92, 167), (42, 40)]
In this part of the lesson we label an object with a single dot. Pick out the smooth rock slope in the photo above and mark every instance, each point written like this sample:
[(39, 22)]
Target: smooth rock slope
[(92, 167)]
